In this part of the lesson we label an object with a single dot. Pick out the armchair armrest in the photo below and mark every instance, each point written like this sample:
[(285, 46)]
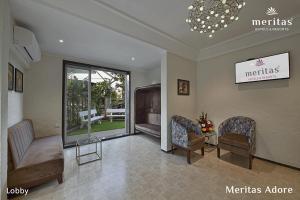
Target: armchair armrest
[(252, 139), (222, 128), (179, 134)]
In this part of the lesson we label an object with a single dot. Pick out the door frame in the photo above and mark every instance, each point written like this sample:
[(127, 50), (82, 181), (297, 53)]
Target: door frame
[(91, 67)]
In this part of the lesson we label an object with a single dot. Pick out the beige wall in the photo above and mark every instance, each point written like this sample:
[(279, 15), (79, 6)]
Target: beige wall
[(274, 105), (175, 67), (43, 97)]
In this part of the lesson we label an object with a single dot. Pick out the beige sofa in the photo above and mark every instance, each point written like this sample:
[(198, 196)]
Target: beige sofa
[(33, 161)]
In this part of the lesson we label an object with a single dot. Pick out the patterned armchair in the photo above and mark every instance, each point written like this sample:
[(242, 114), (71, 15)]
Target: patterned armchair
[(186, 135), (237, 134)]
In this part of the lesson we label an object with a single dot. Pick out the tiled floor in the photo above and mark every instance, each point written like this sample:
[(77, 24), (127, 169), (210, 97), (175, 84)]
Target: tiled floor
[(134, 167)]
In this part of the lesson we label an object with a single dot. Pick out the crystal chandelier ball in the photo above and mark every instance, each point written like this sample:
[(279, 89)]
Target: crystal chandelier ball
[(209, 16)]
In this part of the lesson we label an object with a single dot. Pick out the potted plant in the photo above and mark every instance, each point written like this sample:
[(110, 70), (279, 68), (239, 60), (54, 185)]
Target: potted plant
[(205, 124)]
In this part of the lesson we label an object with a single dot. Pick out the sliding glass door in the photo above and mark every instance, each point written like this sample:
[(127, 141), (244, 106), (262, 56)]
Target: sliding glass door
[(95, 102)]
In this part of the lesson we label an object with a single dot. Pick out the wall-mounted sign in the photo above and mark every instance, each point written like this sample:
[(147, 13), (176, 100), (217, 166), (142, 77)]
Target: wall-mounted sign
[(262, 69)]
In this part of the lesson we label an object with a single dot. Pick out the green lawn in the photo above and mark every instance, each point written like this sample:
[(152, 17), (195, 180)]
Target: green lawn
[(104, 126)]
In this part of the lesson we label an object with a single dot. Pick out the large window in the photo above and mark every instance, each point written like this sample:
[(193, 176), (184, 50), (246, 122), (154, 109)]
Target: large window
[(95, 102)]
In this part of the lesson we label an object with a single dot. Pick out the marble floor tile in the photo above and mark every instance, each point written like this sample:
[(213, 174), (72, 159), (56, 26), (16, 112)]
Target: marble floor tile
[(135, 168)]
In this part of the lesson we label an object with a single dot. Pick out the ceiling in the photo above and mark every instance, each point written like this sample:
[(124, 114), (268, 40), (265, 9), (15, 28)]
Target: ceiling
[(83, 39), (104, 29), (169, 17)]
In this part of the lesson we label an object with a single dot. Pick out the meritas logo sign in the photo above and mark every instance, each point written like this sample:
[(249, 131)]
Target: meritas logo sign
[(272, 22)]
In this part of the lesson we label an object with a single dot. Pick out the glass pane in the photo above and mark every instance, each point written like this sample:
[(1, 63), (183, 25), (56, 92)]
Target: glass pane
[(76, 104), (108, 101)]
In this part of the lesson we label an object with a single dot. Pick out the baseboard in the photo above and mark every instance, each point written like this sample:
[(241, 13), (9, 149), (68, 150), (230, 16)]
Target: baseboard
[(169, 151), (281, 164)]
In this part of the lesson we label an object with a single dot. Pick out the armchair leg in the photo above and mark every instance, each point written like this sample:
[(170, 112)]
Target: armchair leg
[(60, 178), (250, 161), (218, 152), (202, 151), (172, 149), (189, 156)]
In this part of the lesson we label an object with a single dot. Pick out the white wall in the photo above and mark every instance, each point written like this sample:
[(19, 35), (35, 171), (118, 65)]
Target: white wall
[(153, 75), (4, 58), (43, 97), (274, 105), (175, 67), (15, 99)]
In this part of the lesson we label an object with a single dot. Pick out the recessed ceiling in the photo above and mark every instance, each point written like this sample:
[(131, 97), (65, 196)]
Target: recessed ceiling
[(104, 29), (63, 34), (169, 17)]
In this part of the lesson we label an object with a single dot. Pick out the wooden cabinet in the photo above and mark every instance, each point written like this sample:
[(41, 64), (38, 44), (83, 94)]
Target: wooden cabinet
[(147, 110)]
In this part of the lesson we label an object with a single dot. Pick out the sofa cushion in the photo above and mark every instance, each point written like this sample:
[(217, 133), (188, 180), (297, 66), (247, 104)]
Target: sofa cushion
[(20, 137), (149, 128), (43, 150), (236, 140)]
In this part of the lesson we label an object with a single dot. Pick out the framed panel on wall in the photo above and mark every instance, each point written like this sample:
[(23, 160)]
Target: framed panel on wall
[(183, 87), (18, 81), (11, 77)]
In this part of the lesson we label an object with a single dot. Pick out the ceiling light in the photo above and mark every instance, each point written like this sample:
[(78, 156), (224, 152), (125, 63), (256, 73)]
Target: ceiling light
[(61, 41), (207, 16), (132, 58)]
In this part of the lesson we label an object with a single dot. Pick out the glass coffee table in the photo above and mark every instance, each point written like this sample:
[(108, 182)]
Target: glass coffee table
[(89, 156)]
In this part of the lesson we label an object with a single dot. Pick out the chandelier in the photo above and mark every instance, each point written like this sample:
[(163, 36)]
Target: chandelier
[(209, 16)]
